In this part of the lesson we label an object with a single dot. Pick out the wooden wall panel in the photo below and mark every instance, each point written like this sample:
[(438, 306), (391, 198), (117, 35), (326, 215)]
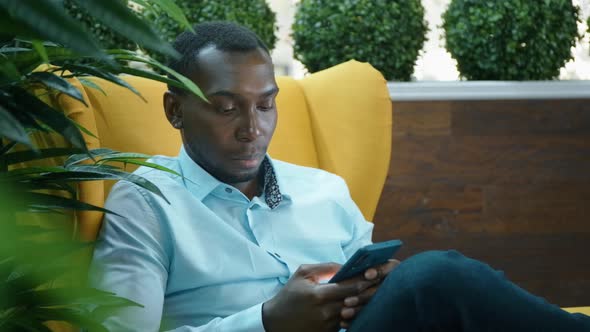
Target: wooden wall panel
[(507, 182)]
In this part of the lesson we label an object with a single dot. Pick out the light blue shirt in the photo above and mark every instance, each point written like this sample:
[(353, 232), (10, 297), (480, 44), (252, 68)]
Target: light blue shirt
[(209, 260)]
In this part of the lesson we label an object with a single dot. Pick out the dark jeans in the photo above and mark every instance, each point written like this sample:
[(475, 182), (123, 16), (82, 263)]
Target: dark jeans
[(445, 291)]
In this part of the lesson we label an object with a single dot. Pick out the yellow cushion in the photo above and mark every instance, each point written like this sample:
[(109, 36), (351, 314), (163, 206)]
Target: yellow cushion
[(293, 138), (125, 122), (582, 310), (351, 120), (338, 119)]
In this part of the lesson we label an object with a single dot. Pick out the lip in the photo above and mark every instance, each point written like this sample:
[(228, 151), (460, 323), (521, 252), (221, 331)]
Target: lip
[(248, 161)]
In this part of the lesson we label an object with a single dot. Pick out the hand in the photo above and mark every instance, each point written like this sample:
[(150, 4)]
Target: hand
[(306, 305), (354, 304)]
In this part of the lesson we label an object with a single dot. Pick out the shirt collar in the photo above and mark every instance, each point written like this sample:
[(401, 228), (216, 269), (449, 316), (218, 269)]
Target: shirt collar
[(272, 192), (200, 183)]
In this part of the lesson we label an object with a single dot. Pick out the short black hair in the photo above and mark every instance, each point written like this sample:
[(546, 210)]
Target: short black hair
[(224, 35)]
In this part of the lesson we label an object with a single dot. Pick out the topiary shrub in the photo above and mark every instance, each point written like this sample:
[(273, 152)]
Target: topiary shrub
[(388, 34), (105, 36), (254, 14), (511, 39)]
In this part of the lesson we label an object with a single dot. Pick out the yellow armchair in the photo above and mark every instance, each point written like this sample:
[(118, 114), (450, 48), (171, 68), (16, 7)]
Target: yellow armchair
[(338, 119)]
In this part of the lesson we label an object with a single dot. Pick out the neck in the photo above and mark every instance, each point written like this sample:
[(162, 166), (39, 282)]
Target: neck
[(250, 188)]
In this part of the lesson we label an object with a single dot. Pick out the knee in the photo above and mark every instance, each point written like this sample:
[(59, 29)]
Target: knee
[(439, 270)]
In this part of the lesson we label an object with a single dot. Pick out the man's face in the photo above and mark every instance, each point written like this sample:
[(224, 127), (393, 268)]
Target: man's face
[(228, 137)]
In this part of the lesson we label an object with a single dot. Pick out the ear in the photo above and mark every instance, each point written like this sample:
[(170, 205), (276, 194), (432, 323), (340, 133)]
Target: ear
[(173, 109)]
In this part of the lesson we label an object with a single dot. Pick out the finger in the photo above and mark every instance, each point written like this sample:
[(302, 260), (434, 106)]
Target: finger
[(360, 278), (348, 316), (351, 301), (362, 298), (349, 313), (389, 266), (329, 315), (342, 290), (344, 324), (381, 271), (317, 272), (331, 311)]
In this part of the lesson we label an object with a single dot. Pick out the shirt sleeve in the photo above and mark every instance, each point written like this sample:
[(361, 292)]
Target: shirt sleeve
[(131, 259), (249, 320)]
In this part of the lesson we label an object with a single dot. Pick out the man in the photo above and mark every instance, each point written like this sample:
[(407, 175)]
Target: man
[(246, 241)]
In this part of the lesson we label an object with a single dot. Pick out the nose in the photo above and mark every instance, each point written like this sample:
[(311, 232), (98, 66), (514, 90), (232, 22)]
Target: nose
[(249, 128)]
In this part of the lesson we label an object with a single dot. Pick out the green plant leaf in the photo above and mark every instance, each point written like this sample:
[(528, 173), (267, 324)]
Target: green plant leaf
[(78, 295), (29, 155), (78, 158), (186, 82), (27, 61), (104, 74), (22, 173), (76, 317), (19, 321), (75, 175), (49, 21), (79, 173), (40, 48), (47, 201), (171, 9), (11, 27), (9, 72), (152, 76), (114, 174), (53, 186), (7, 147), (91, 84), (83, 129), (11, 128), (49, 116), (128, 155), (142, 3), (33, 271), (116, 15), (55, 82), (140, 163), (44, 259), (6, 50)]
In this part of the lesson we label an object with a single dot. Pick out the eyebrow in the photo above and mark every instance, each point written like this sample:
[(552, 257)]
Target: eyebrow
[(225, 93)]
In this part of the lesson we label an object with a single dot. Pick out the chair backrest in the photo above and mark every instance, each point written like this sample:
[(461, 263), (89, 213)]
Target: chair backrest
[(338, 119)]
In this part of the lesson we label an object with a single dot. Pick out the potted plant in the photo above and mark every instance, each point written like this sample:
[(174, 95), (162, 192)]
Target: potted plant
[(387, 34), (511, 40), (41, 275), (254, 14)]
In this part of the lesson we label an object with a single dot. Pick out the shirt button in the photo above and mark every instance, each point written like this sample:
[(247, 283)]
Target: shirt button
[(228, 190)]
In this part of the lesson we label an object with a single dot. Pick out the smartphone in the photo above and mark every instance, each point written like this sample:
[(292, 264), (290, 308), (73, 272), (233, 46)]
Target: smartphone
[(366, 257)]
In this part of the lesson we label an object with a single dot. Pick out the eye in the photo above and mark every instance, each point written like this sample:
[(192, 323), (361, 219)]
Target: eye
[(266, 106), (227, 110)]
